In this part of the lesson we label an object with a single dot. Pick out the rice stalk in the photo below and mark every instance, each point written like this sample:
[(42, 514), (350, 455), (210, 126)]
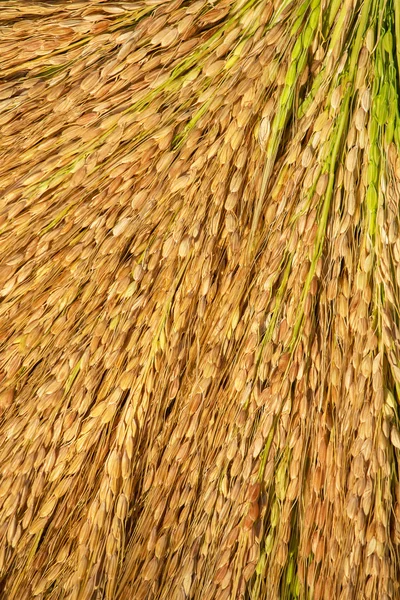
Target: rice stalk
[(199, 292)]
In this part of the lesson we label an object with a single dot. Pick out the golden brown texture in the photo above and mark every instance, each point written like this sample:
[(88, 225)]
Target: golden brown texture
[(199, 300)]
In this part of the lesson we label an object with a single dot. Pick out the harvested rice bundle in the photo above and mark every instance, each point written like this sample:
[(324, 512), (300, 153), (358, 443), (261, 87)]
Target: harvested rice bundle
[(199, 355)]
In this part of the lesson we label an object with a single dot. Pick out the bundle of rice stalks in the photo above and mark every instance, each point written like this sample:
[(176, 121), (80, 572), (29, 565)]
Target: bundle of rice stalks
[(199, 285)]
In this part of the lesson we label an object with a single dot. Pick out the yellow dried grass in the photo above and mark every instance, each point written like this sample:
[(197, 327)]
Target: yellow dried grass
[(199, 292)]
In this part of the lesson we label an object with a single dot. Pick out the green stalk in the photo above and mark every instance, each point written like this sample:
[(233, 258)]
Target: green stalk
[(397, 34), (320, 237), (333, 10), (321, 76), (298, 63)]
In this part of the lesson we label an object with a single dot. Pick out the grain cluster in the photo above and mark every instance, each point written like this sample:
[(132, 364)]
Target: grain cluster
[(199, 300)]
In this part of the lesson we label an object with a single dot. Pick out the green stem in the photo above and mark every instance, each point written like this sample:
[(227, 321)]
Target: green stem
[(295, 70), (397, 34), (332, 165), (333, 10)]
